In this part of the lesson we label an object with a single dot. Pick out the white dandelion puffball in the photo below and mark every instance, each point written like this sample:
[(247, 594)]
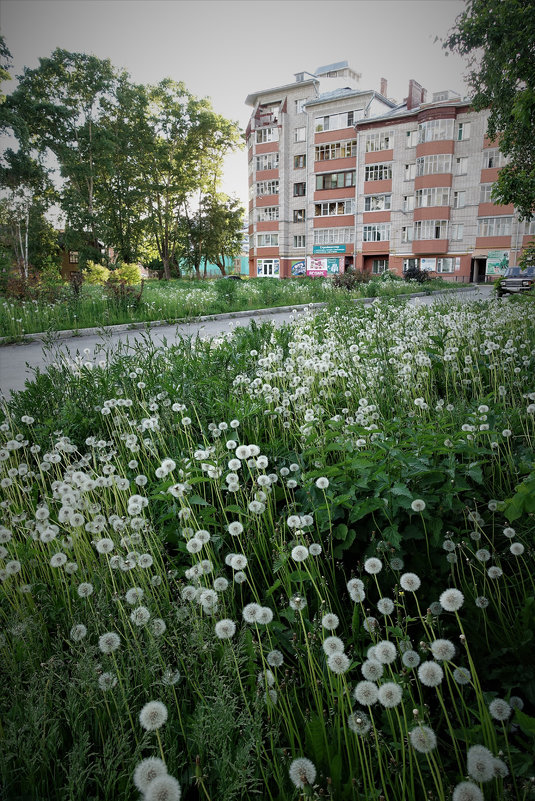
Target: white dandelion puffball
[(451, 600), (338, 663), (373, 566), (333, 645), (153, 715), (500, 709), (85, 589), (302, 772), (411, 659), (330, 621), (430, 673), (372, 669), (322, 482), (366, 693), (480, 763), (385, 652), (275, 658), (467, 791), (390, 694), (462, 675), (78, 632), (410, 582), (163, 788), (109, 642), (423, 739), (299, 553), (315, 549), (147, 770), (225, 629), (251, 612), (385, 606), (443, 650), (359, 723), (140, 616), (235, 528), (418, 505)]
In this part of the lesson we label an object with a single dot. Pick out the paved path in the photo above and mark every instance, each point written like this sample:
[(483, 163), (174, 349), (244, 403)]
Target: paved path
[(18, 361)]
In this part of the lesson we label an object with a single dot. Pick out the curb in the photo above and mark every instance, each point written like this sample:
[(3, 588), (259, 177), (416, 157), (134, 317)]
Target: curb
[(148, 325)]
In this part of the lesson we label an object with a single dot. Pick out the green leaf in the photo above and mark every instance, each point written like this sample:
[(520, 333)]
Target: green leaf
[(526, 723), (299, 575), (197, 500), (343, 546), (364, 508)]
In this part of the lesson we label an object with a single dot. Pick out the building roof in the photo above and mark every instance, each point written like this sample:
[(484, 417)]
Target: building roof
[(401, 110), (251, 99), (338, 94), (340, 65)]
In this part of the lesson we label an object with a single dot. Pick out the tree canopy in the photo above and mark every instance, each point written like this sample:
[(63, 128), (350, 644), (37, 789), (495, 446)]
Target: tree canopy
[(498, 39)]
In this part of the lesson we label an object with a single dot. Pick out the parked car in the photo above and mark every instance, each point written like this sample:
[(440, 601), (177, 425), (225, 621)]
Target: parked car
[(516, 280)]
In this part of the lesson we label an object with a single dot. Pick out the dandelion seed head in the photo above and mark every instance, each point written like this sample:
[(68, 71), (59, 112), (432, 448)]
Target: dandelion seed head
[(163, 788), (462, 675), (372, 669), (418, 505), (385, 652), (480, 763), (330, 621), (109, 642), (410, 582), (366, 693), (153, 715), (225, 629), (147, 770), (430, 673), (390, 694), (373, 565), (411, 659), (275, 658), (451, 600), (359, 723), (467, 791), (443, 650), (423, 739), (338, 663), (500, 709), (302, 772)]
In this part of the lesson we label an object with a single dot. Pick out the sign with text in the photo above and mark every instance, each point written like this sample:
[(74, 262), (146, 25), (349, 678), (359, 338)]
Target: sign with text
[(318, 267), (497, 262), (429, 265), (299, 267), (329, 249)]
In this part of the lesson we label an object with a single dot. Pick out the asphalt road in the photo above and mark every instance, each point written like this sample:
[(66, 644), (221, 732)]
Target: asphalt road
[(18, 361)]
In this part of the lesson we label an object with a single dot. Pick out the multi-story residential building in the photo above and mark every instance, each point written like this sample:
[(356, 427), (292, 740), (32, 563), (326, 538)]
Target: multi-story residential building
[(341, 178)]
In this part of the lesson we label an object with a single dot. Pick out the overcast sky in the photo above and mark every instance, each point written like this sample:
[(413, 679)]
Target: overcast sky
[(227, 49)]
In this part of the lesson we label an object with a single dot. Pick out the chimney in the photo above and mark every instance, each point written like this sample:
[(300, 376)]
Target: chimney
[(416, 94), (384, 86)]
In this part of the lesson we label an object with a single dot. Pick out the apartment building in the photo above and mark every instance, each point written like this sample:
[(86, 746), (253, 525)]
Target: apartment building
[(341, 178)]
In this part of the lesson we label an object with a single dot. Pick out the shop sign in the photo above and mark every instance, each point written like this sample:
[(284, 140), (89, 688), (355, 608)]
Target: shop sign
[(497, 262)]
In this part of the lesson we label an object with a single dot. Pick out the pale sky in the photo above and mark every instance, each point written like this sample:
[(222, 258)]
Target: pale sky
[(227, 49)]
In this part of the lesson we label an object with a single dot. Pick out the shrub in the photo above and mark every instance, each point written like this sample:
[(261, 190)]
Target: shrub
[(130, 274), (415, 274), (350, 280), (95, 273)]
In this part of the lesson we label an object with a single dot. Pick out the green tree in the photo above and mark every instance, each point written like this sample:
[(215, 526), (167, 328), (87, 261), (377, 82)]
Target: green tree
[(5, 65), (224, 229), (185, 161), (498, 39)]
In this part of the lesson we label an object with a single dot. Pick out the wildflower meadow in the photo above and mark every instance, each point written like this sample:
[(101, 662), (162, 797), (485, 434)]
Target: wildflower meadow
[(281, 564)]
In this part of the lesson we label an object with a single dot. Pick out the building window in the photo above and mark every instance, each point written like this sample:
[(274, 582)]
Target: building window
[(463, 131), (267, 188), (377, 141), (448, 264), (407, 233), (335, 122), (300, 189), (529, 228), (73, 257), (267, 240), (435, 130), (333, 236), (300, 134), (434, 196), (494, 226), (409, 172), (333, 208), (461, 165), (377, 202), (335, 180), (431, 229), (267, 213), (412, 138), (409, 264), (432, 165), (267, 135), (379, 266), (300, 105), (492, 158), (299, 215), (407, 203), (459, 200), (335, 150), (378, 232), (299, 241), (267, 161), (485, 193), (457, 231), (267, 267), (378, 172), (300, 161)]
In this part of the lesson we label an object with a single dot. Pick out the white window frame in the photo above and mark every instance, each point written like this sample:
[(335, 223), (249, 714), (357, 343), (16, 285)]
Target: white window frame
[(376, 232), (342, 235), (494, 226), (412, 138), (485, 193), (381, 171), (264, 135), (448, 264), (435, 164), (335, 150), (430, 196), (267, 239), (461, 165), (299, 241), (267, 213), (459, 199), (430, 229), (379, 266), (334, 208), (463, 131), (407, 233), (407, 203), (267, 188), (300, 134), (267, 161), (269, 265), (299, 105), (378, 140), (456, 232), (492, 157), (377, 202), (435, 130), (336, 122), (409, 172)]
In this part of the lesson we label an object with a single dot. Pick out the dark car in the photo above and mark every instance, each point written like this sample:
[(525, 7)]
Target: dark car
[(233, 277), (516, 280)]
